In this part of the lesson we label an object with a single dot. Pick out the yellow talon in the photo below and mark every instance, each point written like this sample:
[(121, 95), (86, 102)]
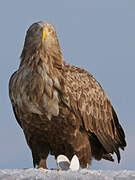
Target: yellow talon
[(41, 168)]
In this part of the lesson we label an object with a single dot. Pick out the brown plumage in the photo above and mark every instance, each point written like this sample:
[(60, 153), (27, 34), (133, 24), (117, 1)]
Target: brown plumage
[(61, 108)]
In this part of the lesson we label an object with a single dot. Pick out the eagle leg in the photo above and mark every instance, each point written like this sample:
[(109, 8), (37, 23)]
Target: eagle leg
[(42, 164), (40, 153)]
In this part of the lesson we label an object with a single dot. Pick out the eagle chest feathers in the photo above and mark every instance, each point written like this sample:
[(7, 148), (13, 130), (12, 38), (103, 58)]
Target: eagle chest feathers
[(61, 108), (37, 88)]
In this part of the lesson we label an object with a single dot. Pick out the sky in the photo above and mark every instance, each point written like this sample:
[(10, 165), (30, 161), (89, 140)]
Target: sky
[(93, 34)]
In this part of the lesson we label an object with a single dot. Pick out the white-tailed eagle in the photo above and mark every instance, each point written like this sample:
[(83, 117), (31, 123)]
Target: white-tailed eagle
[(61, 108)]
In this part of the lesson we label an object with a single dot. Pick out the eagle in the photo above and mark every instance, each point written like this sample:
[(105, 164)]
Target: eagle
[(61, 108)]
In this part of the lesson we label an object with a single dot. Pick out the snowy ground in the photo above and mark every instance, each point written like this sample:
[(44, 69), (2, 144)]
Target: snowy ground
[(84, 174)]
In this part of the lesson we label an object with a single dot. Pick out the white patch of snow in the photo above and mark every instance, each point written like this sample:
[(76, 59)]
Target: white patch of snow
[(64, 163), (74, 164)]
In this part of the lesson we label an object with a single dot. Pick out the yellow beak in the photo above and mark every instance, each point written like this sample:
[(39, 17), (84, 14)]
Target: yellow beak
[(44, 34)]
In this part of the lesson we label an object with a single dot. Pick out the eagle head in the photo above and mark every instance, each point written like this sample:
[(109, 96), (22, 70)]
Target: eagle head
[(41, 36)]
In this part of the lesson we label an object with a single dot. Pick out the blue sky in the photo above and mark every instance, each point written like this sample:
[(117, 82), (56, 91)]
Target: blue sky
[(93, 34)]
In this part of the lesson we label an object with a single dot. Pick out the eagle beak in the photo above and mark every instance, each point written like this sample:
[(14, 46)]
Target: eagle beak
[(44, 33)]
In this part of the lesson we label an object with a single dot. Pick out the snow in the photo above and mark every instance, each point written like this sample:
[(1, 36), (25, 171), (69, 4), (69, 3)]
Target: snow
[(83, 174)]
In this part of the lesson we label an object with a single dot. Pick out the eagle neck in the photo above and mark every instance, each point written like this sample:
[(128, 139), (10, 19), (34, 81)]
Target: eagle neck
[(54, 56)]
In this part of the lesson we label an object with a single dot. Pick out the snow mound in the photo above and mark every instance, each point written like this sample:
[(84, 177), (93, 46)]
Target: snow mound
[(83, 174)]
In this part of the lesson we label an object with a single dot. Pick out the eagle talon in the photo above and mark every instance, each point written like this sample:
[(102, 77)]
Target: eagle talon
[(41, 168)]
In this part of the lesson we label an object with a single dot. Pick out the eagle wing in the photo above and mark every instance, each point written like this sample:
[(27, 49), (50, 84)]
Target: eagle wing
[(89, 101), (15, 109)]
